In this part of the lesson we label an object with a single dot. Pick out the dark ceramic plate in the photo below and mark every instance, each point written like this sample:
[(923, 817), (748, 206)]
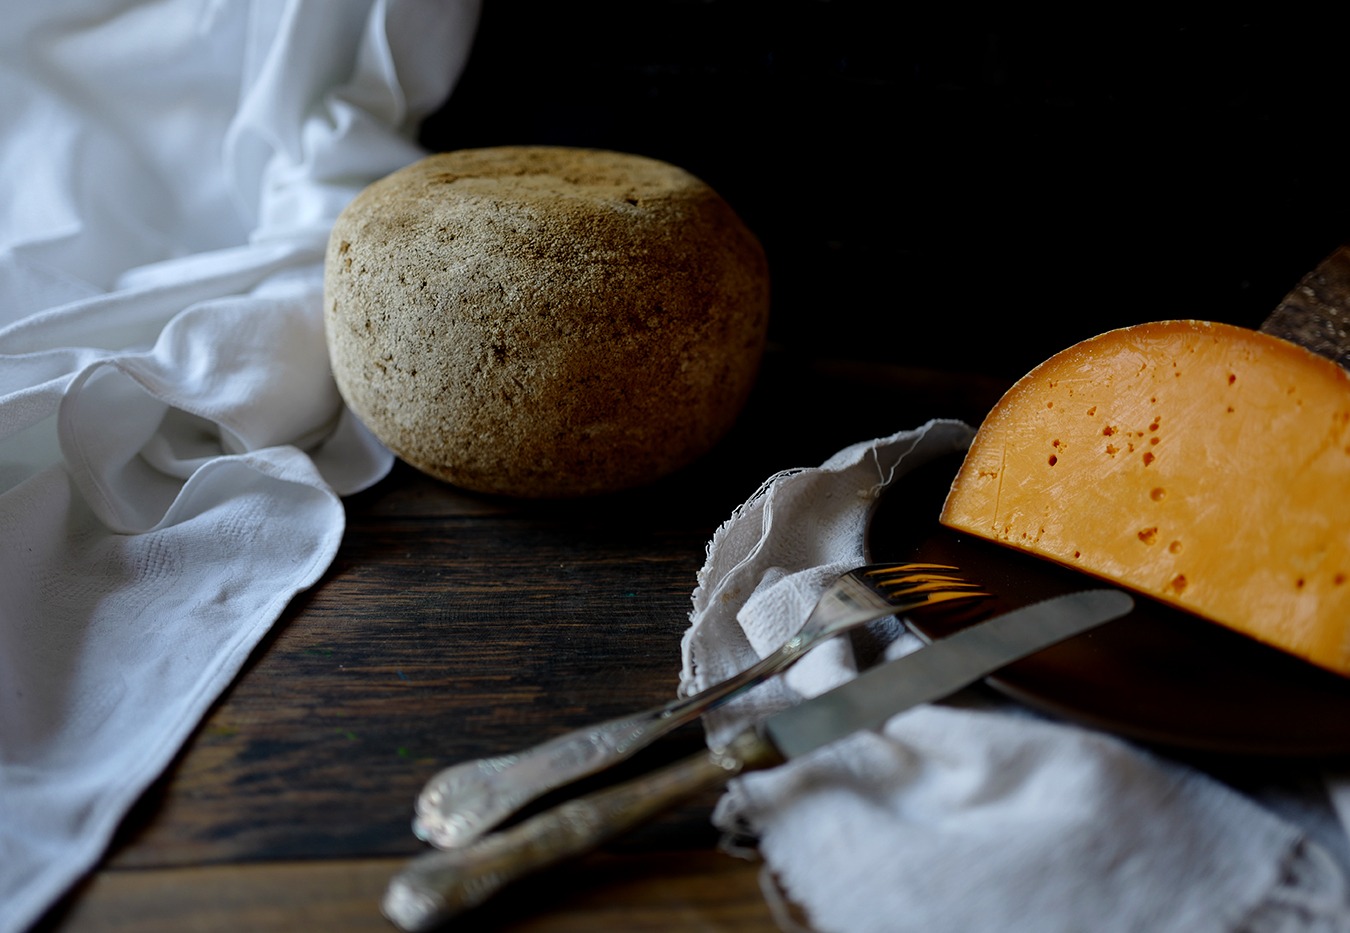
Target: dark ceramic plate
[(1158, 675)]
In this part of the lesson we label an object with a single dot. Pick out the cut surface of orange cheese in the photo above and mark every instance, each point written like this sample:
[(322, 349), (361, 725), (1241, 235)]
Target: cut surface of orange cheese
[(1202, 464)]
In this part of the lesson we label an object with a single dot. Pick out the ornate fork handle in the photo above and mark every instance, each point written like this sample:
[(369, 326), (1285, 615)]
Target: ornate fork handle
[(463, 801)]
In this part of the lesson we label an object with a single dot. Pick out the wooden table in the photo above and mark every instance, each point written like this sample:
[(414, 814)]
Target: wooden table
[(454, 625)]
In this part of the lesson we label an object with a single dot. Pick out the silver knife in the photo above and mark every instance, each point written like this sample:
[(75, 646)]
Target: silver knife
[(436, 886)]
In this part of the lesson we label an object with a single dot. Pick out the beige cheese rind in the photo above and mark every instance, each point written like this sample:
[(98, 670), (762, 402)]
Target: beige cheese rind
[(1203, 464), (542, 321)]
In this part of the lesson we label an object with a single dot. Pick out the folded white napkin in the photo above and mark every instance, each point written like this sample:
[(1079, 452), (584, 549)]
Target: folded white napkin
[(974, 815), (172, 446)]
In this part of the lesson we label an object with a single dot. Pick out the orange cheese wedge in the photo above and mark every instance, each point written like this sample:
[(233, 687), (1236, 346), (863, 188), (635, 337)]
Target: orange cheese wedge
[(1202, 464)]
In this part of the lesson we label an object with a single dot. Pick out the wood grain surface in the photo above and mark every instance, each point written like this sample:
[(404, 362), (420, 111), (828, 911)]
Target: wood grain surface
[(647, 891), (452, 626)]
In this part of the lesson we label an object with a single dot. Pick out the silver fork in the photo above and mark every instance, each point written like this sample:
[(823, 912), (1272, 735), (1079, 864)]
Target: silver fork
[(464, 801)]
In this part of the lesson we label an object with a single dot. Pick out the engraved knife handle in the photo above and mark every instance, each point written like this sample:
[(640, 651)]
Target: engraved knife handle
[(462, 802), (440, 884)]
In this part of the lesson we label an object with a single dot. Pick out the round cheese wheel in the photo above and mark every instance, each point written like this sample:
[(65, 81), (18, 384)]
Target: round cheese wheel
[(1202, 464), (545, 321)]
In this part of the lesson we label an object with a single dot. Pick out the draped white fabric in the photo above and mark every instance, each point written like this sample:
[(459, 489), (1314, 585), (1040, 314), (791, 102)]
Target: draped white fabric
[(172, 447)]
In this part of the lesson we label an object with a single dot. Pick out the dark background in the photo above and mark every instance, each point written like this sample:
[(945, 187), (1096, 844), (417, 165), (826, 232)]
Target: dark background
[(946, 190)]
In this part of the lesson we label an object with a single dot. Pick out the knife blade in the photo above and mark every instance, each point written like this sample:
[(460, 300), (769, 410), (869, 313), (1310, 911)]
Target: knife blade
[(939, 669), (436, 886)]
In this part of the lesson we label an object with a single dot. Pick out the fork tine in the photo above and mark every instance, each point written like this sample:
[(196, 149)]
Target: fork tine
[(945, 596), (914, 575), (897, 574), (910, 574), (935, 584), (903, 581), (914, 584), (877, 569)]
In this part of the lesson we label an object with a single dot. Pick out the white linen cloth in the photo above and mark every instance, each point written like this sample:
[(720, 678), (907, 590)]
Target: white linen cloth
[(172, 446), (973, 816)]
